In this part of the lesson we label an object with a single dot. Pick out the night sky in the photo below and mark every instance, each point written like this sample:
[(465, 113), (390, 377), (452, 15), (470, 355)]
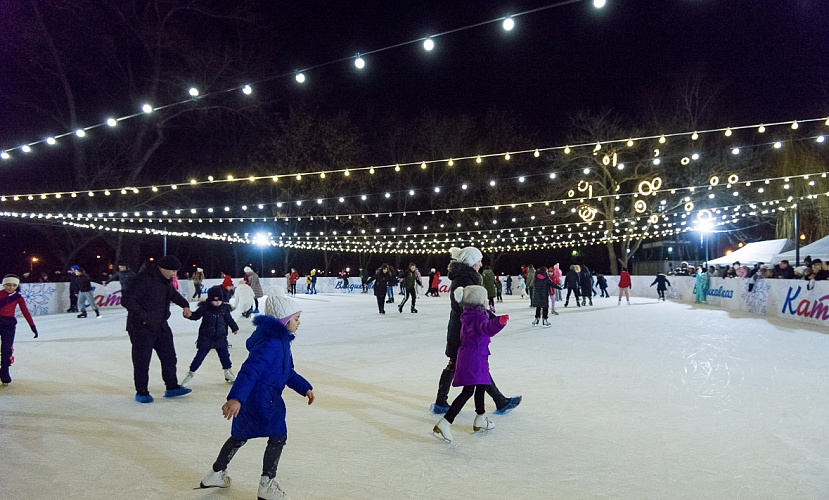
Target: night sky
[(770, 60)]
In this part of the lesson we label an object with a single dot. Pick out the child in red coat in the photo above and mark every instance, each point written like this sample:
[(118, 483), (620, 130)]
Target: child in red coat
[(9, 301), (472, 366)]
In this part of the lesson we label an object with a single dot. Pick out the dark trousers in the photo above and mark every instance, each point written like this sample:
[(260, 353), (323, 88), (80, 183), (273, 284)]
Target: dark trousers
[(661, 294), (293, 288), (144, 341), (463, 397), (270, 461), (530, 292), (410, 292), (445, 384), (604, 292), (223, 353), (574, 291), (7, 329), (73, 302), (197, 293), (539, 311), (498, 295), (381, 302)]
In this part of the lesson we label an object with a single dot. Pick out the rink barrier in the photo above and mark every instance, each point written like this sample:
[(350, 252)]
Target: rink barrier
[(797, 300)]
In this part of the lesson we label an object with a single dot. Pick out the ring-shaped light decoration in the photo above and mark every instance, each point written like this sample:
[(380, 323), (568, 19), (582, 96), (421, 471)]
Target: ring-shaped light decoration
[(704, 215), (685, 160), (689, 206), (640, 206), (656, 183), (587, 213), (653, 219), (714, 180), (733, 179), (583, 185), (571, 193)]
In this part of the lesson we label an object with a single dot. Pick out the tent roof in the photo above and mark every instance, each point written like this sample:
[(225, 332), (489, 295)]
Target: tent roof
[(752, 253), (817, 250)]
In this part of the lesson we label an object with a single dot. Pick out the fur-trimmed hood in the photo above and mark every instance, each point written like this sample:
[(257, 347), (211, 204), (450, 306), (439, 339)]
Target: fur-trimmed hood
[(267, 327)]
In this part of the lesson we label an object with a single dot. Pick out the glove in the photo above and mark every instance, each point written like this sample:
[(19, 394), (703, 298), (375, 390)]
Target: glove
[(34, 330), (503, 319)]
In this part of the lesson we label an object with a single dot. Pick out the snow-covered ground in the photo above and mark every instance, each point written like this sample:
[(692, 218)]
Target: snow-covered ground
[(653, 400)]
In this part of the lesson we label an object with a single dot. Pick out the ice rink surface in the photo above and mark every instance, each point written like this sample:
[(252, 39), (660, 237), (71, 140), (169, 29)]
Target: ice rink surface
[(657, 400)]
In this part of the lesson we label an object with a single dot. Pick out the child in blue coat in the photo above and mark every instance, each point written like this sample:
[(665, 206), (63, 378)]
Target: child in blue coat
[(255, 402), (472, 366), (215, 319)]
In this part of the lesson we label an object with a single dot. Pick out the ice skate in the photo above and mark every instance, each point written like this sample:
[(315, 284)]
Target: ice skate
[(230, 377), (400, 308), (82, 315), (269, 489), (554, 313), (188, 378), (443, 430), (215, 480), (97, 314), (535, 322), (414, 311), (482, 423), (546, 323)]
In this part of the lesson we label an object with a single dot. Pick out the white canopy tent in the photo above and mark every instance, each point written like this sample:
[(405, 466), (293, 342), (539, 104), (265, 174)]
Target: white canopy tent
[(752, 253), (817, 250)]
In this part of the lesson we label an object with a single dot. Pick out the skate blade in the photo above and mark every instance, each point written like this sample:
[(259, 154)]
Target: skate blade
[(436, 432)]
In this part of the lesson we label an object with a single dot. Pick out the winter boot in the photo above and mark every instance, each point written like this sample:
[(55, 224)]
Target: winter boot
[(535, 322), (6, 379), (82, 315), (269, 489), (174, 393), (414, 311), (482, 423), (554, 313), (97, 314), (546, 323), (230, 377), (215, 480), (443, 429)]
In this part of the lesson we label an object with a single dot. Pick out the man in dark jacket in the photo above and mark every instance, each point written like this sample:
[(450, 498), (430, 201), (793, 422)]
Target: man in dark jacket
[(463, 271), (784, 271), (148, 304), (124, 275), (73, 290), (383, 279)]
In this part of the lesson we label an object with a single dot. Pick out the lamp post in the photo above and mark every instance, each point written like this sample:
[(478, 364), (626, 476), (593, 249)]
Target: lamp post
[(31, 266)]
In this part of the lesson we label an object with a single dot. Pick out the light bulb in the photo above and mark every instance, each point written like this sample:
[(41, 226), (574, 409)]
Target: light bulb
[(451, 162), (80, 133), (51, 141), (778, 145), (567, 150), (5, 155), (795, 125), (728, 132), (359, 62), (762, 129), (536, 153), (147, 108), (112, 122), (247, 90), (300, 77), (193, 91), (26, 149), (694, 136), (428, 44), (509, 24)]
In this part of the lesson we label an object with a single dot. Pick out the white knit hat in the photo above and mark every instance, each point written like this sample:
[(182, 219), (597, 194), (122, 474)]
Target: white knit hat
[(11, 279), (281, 307), (472, 295), (468, 255), (248, 270)]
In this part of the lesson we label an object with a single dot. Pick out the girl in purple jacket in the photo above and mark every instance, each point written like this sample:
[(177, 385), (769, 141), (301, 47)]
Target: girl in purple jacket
[(472, 366)]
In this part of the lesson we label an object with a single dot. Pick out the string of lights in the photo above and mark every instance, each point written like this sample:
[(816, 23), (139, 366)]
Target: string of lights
[(507, 22), (608, 159)]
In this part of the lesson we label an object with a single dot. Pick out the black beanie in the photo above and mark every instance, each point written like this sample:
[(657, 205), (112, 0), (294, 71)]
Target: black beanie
[(169, 262), (215, 293)]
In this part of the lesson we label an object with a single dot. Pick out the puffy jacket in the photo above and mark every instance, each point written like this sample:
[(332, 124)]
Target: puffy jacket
[(661, 282), (381, 282), (148, 299), (261, 380), (84, 283), (253, 281), (541, 291), (571, 280), (214, 324), (586, 281), (530, 279), (472, 366), (461, 275)]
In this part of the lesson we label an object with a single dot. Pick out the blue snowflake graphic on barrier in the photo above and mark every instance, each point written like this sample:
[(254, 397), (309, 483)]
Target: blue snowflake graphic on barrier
[(756, 300), (38, 296)]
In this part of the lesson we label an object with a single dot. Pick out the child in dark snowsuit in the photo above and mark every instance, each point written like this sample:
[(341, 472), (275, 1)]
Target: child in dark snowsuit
[(662, 284), (601, 281), (215, 316), (540, 298), (573, 284)]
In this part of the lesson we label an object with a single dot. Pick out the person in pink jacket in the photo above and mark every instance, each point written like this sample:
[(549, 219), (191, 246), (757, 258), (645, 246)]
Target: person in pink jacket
[(624, 285), (472, 366)]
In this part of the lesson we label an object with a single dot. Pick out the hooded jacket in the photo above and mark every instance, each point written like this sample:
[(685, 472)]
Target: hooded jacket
[(148, 299), (488, 282), (261, 380), (541, 291), (472, 367), (214, 323), (382, 281), (461, 275), (661, 282), (252, 279)]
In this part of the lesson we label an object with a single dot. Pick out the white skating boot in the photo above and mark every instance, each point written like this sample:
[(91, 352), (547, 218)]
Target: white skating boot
[(188, 378), (535, 322), (216, 480), (482, 423), (230, 377), (546, 324), (443, 430), (269, 489)]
